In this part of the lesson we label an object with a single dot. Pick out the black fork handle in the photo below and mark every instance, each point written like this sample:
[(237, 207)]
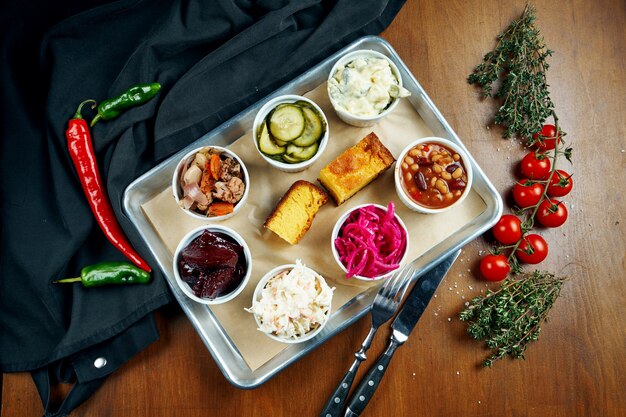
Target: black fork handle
[(336, 402), (334, 406), (365, 391)]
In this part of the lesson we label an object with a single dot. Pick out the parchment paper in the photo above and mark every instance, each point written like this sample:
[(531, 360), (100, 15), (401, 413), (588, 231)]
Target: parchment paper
[(267, 185)]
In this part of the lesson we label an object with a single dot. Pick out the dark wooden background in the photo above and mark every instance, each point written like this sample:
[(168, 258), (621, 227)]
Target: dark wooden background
[(578, 366)]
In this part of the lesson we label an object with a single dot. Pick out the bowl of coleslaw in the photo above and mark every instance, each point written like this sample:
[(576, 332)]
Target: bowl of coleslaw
[(291, 303)]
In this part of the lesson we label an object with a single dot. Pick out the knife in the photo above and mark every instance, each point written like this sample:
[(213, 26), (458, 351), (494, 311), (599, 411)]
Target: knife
[(406, 320)]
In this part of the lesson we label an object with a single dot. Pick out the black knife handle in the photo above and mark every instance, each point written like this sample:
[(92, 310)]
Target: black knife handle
[(336, 402), (365, 391)]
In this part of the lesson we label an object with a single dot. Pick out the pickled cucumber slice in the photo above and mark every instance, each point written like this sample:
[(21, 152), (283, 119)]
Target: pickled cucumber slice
[(286, 123), (290, 159), (303, 103), (279, 142), (302, 153), (266, 144), (313, 129)]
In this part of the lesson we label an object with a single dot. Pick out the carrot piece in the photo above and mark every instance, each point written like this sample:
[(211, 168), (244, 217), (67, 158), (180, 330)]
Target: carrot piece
[(220, 208), (207, 182), (216, 166)]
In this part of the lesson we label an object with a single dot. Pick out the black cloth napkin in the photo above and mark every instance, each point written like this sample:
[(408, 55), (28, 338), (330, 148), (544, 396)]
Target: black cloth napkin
[(212, 58)]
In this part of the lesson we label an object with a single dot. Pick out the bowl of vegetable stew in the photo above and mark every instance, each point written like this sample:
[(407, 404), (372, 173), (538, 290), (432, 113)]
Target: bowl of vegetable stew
[(211, 183), (432, 175)]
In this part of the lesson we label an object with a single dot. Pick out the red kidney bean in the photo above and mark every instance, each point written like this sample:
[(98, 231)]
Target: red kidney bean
[(421, 181), (457, 184), (451, 168), (422, 160)]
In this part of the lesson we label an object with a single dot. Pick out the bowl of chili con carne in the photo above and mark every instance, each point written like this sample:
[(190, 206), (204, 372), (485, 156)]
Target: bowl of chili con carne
[(432, 175)]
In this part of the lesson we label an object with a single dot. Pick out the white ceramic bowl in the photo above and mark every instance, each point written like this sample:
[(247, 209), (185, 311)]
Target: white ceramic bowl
[(404, 196), (178, 192), (189, 237), (257, 295), (362, 121), (335, 234), (260, 117)]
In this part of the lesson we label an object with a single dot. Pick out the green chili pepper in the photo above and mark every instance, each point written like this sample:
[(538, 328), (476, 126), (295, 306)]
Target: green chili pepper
[(106, 273), (134, 96)]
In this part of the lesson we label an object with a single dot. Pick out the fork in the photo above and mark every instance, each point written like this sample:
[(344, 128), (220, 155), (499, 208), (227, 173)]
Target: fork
[(384, 306)]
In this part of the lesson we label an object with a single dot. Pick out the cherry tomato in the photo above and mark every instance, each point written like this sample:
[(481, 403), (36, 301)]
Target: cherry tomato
[(535, 244), (548, 138), (494, 267), (536, 166), (527, 195), (552, 213), (508, 230), (561, 184)]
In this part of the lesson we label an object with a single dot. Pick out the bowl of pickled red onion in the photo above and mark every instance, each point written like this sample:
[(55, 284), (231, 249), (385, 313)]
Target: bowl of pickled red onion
[(370, 241)]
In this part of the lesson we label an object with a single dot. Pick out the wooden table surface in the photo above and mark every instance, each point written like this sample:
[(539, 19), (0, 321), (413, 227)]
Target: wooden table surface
[(576, 368)]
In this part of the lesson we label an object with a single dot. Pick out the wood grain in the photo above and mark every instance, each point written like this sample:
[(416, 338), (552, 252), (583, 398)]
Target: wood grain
[(577, 367)]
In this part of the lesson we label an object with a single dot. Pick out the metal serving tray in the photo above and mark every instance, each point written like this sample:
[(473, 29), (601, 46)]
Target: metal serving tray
[(229, 360)]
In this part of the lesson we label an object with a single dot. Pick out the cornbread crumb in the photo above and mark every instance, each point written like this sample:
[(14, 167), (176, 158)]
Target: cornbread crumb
[(294, 213), (356, 167)]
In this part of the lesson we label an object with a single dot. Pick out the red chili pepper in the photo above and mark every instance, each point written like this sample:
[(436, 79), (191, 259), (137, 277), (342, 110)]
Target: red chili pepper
[(83, 156)]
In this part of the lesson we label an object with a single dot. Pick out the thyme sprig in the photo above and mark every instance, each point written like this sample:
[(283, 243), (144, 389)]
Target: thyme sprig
[(519, 61), (511, 317)]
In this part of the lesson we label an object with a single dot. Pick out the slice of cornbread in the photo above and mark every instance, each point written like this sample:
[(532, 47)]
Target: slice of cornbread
[(295, 211), (355, 168)]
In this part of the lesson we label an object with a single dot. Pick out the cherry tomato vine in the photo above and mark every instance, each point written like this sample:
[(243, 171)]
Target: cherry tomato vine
[(534, 196)]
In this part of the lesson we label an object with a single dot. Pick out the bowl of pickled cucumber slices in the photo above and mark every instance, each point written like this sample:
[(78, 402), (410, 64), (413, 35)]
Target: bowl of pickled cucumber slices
[(290, 132)]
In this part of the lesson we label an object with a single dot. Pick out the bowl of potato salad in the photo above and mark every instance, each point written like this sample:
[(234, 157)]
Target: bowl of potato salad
[(364, 86)]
